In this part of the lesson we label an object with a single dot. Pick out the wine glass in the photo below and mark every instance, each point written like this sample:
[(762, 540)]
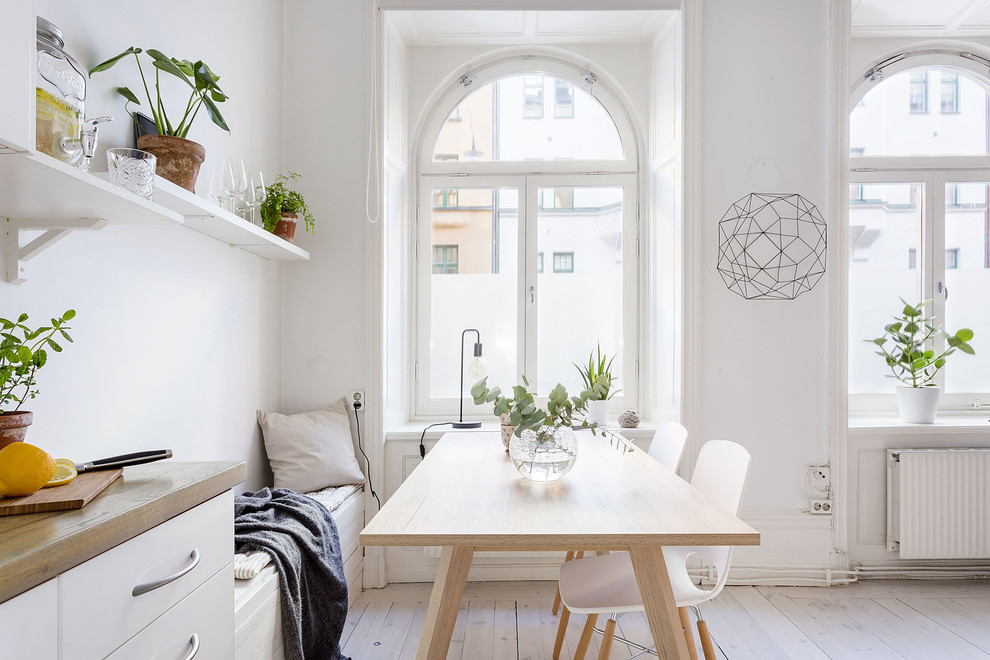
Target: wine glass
[(216, 185), (234, 180), (255, 194)]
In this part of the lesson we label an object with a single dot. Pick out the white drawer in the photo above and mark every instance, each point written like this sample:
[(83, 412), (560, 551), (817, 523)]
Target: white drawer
[(97, 608), (206, 616), (28, 623)]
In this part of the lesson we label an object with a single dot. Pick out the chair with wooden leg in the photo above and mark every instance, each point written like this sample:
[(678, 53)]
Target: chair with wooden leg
[(666, 447), (607, 584)]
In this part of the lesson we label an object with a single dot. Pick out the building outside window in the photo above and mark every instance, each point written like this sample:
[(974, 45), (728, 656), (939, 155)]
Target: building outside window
[(950, 92), (444, 259), (533, 97), (445, 198), (563, 262), (918, 94), (563, 100), (557, 198)]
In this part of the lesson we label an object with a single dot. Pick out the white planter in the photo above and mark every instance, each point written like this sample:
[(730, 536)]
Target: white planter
[(917, 405), (597, 413)]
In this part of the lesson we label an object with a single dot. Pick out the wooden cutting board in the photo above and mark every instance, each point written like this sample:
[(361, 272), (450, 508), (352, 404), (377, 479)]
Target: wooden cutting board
[(74, 495)]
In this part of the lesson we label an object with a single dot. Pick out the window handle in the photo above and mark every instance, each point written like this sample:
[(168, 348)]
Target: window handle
[(944, 290), (532, 295)]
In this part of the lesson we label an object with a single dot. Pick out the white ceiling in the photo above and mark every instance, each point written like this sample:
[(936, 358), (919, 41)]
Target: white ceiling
[(919, 18), (528, 27)]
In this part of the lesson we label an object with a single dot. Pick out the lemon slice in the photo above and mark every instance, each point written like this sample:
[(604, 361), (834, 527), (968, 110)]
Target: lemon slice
[(65, 471)]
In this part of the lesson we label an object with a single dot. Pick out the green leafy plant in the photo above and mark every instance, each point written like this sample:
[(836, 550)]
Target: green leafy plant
[(597, 376), (23, 352), (525, 414), (279, 199), (911, 357), (197, 75)]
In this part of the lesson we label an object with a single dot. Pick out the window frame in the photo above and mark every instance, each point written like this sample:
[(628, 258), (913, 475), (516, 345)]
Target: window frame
[(626, 171), (934, 172), (528, 185), (562, 255)]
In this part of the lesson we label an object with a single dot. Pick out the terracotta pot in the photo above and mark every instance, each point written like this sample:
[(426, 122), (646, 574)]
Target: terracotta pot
[(178, 158), (14, 426), (286, 227)]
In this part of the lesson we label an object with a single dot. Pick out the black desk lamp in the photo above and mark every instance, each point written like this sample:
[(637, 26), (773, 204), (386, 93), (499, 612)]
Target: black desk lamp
[(477, 370)]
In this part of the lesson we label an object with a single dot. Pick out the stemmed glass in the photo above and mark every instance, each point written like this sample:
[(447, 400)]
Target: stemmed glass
[(216, 185), (234, 180), (255, 194)]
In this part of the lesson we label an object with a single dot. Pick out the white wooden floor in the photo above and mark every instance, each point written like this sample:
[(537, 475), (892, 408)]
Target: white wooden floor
[(929, 620)]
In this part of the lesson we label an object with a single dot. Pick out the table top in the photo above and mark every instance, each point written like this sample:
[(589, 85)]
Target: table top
[(467, 493), (36, 547)]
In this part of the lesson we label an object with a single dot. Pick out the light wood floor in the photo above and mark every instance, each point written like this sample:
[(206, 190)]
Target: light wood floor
[(929, 620)]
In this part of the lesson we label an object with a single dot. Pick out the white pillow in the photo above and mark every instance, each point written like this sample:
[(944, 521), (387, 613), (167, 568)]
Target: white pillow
[(312, 450)]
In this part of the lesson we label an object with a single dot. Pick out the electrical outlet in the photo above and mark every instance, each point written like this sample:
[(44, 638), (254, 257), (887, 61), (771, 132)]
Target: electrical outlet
[(821, 507), (357, 396)]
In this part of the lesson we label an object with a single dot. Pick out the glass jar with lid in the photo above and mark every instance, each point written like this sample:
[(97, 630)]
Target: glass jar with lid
[(61, 96)]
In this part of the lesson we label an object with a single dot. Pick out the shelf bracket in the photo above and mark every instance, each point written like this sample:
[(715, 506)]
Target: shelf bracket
[(16, 256)]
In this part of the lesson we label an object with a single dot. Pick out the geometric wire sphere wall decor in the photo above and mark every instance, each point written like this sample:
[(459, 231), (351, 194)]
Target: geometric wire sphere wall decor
[(771, 246)]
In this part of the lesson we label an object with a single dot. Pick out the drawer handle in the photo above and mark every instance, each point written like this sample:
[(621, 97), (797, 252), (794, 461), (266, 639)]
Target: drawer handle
[(151, 586), (194, 642)]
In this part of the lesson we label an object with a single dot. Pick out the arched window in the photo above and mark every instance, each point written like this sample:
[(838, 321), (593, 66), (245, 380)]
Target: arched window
[(527, 232), (918, 218)]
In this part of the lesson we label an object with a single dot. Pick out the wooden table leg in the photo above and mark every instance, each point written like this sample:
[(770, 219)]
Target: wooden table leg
[(445, 600), (658, 599)]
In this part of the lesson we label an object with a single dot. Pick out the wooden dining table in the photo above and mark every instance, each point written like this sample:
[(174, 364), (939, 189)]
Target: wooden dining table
[(466, 496)]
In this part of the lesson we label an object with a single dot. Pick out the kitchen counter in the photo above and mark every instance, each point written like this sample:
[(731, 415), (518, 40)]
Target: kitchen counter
[(37, 547)]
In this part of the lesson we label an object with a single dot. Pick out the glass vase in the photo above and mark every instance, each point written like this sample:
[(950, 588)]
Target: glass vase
[(546, 455)]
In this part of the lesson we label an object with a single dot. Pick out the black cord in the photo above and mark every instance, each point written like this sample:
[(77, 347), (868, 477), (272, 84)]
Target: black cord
[(357, 421), (422, 447)]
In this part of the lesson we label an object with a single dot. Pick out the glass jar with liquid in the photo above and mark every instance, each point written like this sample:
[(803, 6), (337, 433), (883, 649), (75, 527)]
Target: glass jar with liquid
[(61, 96)]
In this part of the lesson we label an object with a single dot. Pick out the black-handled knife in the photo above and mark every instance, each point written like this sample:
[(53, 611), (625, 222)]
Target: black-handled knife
[(124, 460)]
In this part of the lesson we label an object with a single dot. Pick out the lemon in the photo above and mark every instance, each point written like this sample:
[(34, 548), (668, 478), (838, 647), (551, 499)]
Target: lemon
[(65, 471), (24, 469)]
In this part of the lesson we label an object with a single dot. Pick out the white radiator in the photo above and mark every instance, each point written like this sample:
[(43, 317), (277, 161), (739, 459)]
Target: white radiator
[(938, 503)]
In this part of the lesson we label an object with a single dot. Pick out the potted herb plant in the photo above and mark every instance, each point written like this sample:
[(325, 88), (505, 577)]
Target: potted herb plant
[(282, 207), (179, 159), (597, 377), (22, 353), (543, 447), (912, 359)]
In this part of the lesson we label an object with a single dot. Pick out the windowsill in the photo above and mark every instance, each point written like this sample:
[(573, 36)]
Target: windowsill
[(945, 423), (398, 432)]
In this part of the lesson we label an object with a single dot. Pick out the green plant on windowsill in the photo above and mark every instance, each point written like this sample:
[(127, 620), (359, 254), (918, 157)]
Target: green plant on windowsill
[(597, 376), (279, 199), (911, 356), (525, 414)]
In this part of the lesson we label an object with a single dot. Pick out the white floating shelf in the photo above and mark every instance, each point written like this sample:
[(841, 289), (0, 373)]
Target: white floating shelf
[(204, 216), (34, 186)]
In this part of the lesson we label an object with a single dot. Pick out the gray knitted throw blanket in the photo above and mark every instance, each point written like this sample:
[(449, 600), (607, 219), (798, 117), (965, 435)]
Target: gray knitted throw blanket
[(301, 536)]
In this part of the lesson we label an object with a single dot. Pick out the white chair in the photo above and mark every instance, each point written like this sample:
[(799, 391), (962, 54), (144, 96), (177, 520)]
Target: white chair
[(607, 584), (668, 444), (666, 447)]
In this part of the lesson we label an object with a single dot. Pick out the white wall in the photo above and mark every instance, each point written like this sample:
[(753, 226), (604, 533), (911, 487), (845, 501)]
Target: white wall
[(326, 333), (763, 365), (177, 335)]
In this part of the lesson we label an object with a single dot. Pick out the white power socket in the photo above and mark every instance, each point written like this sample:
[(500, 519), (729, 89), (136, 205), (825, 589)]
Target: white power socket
[(357, 396)]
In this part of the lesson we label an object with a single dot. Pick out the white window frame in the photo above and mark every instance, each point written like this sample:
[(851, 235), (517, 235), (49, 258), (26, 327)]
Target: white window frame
[(934, 172), (528, 186), (528, 177)]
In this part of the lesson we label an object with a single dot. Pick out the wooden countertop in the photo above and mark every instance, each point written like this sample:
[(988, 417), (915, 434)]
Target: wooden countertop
[(36, 547)]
